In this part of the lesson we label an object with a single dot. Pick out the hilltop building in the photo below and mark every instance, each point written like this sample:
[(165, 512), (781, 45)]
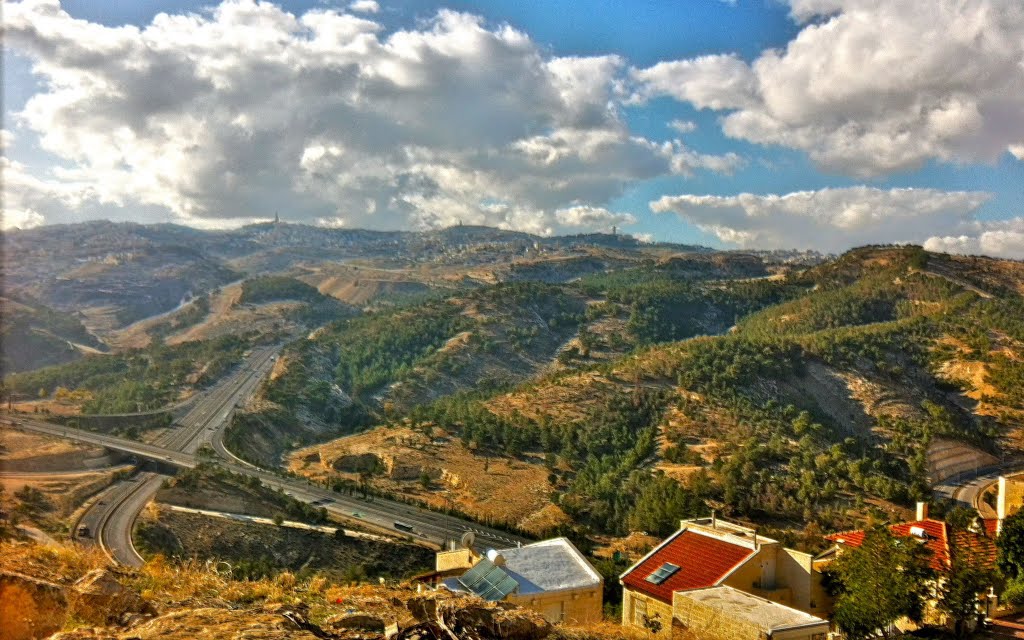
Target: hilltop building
[(551, 577), (713, 574)]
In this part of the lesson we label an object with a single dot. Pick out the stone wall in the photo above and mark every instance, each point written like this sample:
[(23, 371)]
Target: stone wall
[(584, 606), (635, 604), (708, 623)]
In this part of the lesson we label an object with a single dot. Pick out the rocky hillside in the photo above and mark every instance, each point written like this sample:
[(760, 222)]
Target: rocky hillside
[(34, 335), (62, 592), (843, 391)]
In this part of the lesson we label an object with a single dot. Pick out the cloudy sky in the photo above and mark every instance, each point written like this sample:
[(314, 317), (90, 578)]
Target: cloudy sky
[(747, 123)]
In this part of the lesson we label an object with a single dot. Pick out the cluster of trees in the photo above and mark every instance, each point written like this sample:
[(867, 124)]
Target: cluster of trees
[(597, 462), (361, 355), (665, 305), (891, 577), (135, 380), (272, 288), (192, 314)]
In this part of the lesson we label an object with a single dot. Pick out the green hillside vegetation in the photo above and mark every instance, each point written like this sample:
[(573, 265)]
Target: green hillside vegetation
[(665, 306), (136, 380), (781, 456), (764, 414), (362, 355), (317, 309), (33, 335), (273, 288)]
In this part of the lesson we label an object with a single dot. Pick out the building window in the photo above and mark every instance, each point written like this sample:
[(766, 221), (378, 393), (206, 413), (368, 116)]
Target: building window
[(639, 611)]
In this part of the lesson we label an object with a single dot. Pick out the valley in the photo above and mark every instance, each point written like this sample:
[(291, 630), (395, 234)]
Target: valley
[(479, 380)]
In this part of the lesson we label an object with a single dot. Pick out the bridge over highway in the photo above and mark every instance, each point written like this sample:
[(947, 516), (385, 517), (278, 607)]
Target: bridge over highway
[(405, 520)]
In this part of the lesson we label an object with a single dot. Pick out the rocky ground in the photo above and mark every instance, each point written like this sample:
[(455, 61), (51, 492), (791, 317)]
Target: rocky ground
[(64, 592)]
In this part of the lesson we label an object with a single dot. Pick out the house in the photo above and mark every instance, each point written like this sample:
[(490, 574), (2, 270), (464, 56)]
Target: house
[(551, 577), (1009, 496), (936, 536), (726, 613), (710, 552), (941, 540)]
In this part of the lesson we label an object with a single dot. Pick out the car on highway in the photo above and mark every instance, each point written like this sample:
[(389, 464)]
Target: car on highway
[(356, 514), (83, 531)]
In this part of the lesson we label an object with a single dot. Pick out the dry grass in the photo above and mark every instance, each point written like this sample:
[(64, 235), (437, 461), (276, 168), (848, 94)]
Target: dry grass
[(564, 399), (19, 445), (492, 489)]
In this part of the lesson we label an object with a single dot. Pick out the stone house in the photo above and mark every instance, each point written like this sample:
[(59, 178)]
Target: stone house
[(710, 552), (551, 577)]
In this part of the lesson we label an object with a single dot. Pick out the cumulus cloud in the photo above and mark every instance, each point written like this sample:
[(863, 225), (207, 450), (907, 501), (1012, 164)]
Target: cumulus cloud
[(871, 87), (364, 6), (683, 126), (712, 82), (28, 201), (599, 218), (1003, 239), (229, 114), (827, 219)]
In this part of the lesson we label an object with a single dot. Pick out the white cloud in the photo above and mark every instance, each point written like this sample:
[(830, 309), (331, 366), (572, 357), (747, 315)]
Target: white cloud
[(827, 219), (227, 115), (709, 82), (364, 6), (1003, 239), (683, 126), (871, 87), (29, 201), (597, 218)]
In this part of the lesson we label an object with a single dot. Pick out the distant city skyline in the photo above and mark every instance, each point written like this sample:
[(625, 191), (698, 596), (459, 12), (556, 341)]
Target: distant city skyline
[(807, 124)]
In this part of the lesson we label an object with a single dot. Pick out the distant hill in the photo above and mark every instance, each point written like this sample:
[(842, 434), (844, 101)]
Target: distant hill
[(116, 274), (33, 335), (822, 394)]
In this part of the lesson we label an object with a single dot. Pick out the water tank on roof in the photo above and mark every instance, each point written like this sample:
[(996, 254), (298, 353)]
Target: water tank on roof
[(496, 558)]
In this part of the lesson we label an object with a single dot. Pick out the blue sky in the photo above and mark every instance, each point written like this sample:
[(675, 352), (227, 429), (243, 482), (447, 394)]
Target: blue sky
[(845, 121)]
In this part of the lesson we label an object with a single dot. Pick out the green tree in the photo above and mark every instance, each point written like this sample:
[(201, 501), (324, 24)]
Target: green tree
[(1010, 544), (958, 593), (876, 584)]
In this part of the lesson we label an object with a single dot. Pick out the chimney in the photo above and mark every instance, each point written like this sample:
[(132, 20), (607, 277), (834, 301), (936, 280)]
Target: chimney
[(922, 511)]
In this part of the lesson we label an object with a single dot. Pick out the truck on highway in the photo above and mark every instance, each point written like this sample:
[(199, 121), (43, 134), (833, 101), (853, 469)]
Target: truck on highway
[(83, 531), (403, 526)]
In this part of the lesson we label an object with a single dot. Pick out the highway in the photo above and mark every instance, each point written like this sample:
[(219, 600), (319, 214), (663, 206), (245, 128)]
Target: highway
[(113, 515), (967, 488), (111, 519)]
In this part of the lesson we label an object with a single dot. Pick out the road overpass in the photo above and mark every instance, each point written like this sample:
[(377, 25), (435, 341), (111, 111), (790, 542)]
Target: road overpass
[(380, 513)]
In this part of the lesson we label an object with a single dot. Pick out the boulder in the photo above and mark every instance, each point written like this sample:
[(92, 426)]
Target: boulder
[(100, 598), (357, 620), (30, 607)]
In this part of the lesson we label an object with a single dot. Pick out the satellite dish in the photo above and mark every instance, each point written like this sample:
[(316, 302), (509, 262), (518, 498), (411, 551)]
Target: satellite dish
[(468, 539)]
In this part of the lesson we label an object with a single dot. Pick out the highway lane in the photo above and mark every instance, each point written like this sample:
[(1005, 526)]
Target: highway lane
[(967, 488), (110, 521), (381, 513)]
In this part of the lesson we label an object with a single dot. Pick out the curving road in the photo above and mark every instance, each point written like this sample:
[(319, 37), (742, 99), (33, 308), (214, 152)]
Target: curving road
[(967, 488), (112, 516), (111, 519)]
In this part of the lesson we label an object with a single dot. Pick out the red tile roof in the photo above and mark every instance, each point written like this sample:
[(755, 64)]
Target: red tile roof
[(981, 543), (991, 527), (937, 543), (703, 561)]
